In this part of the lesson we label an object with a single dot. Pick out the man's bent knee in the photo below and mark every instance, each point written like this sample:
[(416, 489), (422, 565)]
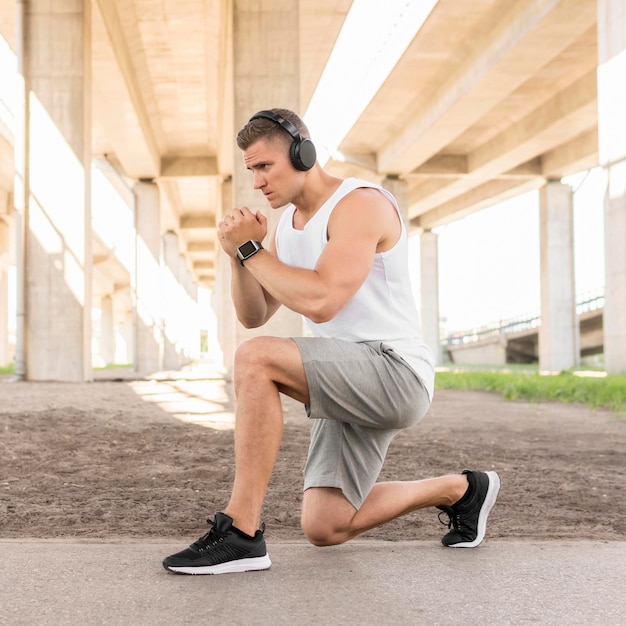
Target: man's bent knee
[(254, 351), (272, 358), (326, 516), (321, 534)]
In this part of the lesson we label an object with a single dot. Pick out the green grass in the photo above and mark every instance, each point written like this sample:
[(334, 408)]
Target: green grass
[(606, 391), (9, 369)]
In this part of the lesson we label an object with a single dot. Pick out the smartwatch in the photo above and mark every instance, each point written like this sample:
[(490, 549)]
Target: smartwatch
[(246, 250)]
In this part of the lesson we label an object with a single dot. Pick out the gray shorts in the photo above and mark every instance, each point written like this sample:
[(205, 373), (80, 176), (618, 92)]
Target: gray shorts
[(362, 395)]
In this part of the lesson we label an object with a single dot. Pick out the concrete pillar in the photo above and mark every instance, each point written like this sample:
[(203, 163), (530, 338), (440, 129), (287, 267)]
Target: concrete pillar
[(559, 332), (399, 189), (429, 323), (125, 338), (173, 302), (612, 152), (52, 158), (5, 357), (107, 330), (191, 321), (147, 279), (224, 309), (267, 31), (429, 289)]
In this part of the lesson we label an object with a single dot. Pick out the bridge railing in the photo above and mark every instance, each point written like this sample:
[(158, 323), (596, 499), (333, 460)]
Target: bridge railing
[(589, 301)]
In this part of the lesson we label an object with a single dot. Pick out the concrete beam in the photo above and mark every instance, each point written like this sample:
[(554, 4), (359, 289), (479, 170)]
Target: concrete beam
[(443, 165), (580, 153), (178, 167), (475, 199), (456, 166), (530, 169), (357, 166), (555, 122), (365, 161), (522, 35), (99, 259), (197, 221), (200, 267), (562, 117), (118, 99), (203, 247)]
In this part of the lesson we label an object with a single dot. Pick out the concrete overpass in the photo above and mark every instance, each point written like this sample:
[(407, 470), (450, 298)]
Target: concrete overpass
[(488, 100), (517, 340)]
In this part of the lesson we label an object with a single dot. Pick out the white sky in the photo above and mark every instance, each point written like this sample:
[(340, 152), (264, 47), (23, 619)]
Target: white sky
[(489, 261), (373, 37)]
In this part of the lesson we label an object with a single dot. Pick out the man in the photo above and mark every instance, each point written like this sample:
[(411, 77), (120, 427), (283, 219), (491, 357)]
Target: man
[(338, 256)]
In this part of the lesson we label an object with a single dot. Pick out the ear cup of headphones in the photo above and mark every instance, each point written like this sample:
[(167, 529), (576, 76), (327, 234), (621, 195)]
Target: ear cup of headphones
[(302, 154), (301, 151)]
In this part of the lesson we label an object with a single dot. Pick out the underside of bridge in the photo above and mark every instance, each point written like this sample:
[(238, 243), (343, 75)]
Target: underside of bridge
[(488, 100)]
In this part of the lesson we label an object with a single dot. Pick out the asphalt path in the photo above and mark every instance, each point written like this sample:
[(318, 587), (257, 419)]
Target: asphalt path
[(363, 582)]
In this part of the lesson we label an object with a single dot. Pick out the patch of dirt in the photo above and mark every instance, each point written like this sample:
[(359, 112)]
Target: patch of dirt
[(97, 460)]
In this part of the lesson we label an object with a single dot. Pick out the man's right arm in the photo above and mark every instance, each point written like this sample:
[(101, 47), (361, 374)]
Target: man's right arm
[(254, 306)]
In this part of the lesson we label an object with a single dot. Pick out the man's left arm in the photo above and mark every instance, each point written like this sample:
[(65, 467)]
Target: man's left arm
[(359, 224)]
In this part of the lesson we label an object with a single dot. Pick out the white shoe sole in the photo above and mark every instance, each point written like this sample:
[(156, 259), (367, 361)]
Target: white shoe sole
[(232, 567), (490, 500)]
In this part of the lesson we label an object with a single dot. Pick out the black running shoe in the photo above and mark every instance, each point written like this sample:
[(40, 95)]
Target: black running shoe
[(223, 550), (468, 517)]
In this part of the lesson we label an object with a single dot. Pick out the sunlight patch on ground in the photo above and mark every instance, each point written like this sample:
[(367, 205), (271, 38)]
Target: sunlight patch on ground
[(202, 402)]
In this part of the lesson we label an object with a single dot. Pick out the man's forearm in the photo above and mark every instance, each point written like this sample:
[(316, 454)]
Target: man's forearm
[(249, 298), (298, 289)]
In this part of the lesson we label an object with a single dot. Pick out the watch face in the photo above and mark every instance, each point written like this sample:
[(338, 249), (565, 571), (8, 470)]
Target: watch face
[(246, 249)]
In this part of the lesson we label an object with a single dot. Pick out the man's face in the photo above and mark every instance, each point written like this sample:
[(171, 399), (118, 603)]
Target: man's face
[(268, 160)]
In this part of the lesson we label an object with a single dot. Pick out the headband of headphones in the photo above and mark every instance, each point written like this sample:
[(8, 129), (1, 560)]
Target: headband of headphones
[(301, 151)]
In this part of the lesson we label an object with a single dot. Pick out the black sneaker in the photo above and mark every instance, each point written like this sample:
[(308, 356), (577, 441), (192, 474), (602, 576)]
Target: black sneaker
[(223, 550), (468, 517)]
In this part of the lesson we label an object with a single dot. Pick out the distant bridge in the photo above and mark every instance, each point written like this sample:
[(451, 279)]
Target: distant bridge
[(517, 340)]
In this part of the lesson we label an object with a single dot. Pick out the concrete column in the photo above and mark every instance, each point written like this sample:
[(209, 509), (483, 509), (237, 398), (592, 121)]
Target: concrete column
[(190, 323), (173, 302), (429, 288), (224, 309), (125, 338), (267, 31), (147, 279), (559, 332), (400, 191), (5, 357), (107, 330), (429, 268), (52, 158), (612, 152)]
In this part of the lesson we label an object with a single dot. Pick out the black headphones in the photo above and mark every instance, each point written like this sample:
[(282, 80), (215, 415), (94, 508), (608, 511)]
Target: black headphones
[(302, 151)]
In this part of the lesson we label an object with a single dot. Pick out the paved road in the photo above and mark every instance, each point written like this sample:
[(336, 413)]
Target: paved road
[(361, 583)]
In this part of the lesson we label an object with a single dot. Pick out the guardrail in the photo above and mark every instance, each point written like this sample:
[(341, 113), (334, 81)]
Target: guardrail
[(591, 301)]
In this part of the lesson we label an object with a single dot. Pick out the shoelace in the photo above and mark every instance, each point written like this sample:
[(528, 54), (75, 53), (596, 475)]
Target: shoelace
[(452, 521), (211, 538)]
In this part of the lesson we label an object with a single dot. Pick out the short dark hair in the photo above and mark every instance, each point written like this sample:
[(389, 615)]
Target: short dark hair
[(262, 127)]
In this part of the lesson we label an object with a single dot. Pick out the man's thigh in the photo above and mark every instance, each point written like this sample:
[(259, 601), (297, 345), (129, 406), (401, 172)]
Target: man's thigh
[(366, 384)]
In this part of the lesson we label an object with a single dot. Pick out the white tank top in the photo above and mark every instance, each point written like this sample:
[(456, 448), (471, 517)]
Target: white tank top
[(383, 309)]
